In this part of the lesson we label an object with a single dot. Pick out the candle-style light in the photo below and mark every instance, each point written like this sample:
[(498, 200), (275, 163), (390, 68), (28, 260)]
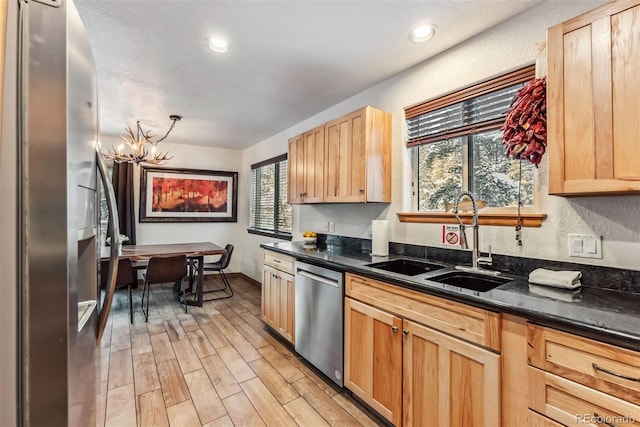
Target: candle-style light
[(137, 144)]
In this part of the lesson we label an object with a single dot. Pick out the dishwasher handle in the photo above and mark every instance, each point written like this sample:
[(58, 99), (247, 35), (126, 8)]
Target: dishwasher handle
[(318, 278)]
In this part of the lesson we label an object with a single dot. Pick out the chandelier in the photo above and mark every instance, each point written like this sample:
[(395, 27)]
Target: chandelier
[(138, 143)]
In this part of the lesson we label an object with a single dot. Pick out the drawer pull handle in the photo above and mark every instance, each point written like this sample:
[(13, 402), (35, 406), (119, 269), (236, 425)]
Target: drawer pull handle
[(276, 261), (603, 420), (615, 374)]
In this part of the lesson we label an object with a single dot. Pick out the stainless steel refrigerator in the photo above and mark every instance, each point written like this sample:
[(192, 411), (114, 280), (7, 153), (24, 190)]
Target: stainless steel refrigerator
[(52, 311)]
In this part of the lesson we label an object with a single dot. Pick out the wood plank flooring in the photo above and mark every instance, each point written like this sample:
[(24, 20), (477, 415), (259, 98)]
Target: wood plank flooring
[(213, 366)]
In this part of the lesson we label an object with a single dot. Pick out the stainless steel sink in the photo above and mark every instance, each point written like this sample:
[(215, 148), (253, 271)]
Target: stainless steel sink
[(474, 282), (407, 267)]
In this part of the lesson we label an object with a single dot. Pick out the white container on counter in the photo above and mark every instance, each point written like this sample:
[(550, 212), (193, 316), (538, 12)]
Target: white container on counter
[(380, 237)]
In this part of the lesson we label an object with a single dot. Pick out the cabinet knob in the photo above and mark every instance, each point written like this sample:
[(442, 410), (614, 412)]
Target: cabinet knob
[(361, 190), (405, 332), (394, 329), (303, 194)]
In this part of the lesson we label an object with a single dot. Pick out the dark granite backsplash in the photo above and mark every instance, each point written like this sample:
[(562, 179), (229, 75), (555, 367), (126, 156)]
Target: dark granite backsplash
[(592, 275)]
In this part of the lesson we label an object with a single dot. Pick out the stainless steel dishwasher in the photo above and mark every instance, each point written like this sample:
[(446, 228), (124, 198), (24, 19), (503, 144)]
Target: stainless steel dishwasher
[(319, 318)]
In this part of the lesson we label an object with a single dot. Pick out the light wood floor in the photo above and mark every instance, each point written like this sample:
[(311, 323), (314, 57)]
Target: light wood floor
[(214, 366)]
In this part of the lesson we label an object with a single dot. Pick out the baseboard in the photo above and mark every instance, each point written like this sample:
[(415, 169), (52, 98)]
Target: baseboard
[(245, 277)]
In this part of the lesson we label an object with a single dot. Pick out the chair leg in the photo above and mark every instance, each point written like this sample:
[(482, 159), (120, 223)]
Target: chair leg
[(130, 303), (145, 288), (226, 282), (226, 288)]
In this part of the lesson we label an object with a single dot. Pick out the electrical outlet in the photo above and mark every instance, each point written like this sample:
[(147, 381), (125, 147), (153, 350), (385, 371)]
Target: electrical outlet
[(325, 226), (332, 227), (585, 246)]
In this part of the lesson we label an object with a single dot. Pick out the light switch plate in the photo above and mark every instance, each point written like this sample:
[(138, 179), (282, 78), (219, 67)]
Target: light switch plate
[(585, 246)]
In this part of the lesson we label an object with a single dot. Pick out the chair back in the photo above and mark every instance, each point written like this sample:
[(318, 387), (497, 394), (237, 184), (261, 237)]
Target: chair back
[(126, 274), (225, 259), (165, 269)]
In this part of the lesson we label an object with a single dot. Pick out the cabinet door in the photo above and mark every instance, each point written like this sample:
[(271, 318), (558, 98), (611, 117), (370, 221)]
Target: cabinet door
[(314, 165), (269, 295), (373, 358), (286, 297), (448, 381), (295, 168), (345, 158), (593, 102)]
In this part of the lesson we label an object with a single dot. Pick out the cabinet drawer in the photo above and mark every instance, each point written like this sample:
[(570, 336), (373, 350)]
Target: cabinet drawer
[(537, 420), (604, 367), (469, 323), (571, 403), (279, 261)]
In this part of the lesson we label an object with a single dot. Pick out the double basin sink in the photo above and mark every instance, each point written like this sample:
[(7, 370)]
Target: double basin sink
[(461, 279)]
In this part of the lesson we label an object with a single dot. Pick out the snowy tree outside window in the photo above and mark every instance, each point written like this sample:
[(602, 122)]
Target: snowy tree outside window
[(491, 176)]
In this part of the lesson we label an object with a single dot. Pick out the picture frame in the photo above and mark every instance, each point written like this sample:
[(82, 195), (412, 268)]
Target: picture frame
[(188, 195)]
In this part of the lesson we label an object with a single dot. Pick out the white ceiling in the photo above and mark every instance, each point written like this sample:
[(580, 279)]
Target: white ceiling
[(289, 59)]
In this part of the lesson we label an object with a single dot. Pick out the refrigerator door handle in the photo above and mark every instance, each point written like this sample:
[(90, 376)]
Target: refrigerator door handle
[(114, 226)]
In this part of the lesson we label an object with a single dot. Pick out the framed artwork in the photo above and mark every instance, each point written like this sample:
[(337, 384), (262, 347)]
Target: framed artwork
[(188, 195)]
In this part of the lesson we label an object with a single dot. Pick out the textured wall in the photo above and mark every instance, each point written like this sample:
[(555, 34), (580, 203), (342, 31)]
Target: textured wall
[(505, 47)]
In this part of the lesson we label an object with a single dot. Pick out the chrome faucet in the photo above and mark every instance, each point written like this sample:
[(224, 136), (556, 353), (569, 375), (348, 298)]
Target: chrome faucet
[(476, 259)]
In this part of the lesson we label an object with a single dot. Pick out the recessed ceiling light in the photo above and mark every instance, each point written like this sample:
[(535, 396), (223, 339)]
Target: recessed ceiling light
[(422, 33), (218, 44)]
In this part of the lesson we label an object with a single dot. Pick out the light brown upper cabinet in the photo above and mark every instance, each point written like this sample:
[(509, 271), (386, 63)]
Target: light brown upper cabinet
[(295, 170), (345, 160), (593, 102), (358, 157), (306, 167)]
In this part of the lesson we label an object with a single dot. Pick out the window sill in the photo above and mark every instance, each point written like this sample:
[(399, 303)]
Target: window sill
[(504, 217), (269, 233)]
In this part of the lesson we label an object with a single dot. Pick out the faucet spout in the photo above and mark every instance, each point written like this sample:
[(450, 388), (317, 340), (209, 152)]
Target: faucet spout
[(474, 224)]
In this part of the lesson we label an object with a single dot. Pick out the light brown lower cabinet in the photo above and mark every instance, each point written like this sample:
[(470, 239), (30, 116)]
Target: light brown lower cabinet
[(447, 381), (537, 420), (414, 375), (571, 403), (278, 301), (373, 358)]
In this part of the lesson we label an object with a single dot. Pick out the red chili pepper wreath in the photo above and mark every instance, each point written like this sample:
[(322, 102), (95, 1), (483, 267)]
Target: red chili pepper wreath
[(525, 128)]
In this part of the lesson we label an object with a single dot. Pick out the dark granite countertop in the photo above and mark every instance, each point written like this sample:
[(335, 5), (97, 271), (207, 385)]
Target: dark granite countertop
[(606, 315)]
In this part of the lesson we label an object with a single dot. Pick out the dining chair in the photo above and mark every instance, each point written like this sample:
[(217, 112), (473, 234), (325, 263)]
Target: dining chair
[(126, 277), (218, 266), (164, 269)]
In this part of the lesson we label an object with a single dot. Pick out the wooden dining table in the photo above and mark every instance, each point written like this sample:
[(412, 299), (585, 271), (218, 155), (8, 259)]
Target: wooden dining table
[(196, 251)]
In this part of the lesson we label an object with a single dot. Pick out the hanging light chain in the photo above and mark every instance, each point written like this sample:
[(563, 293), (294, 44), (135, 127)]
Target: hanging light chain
[(174, 119)]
